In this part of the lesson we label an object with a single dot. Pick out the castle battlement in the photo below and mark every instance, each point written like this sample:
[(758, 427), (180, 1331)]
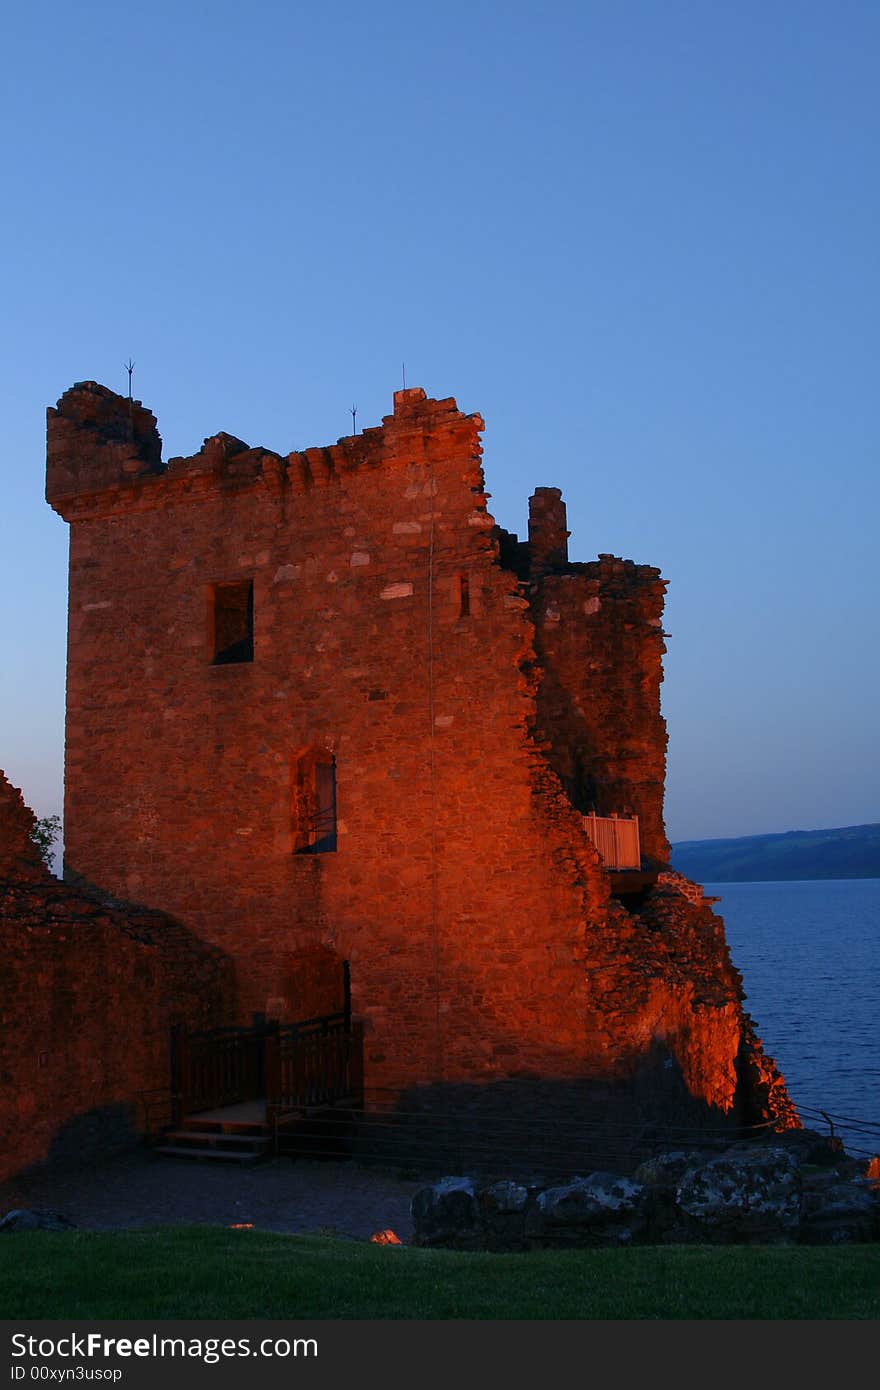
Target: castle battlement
[(105, 451)]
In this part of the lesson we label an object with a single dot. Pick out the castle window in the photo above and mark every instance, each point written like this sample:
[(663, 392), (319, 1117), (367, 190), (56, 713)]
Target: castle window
[(464, 596), (232, 615), (314, 802)]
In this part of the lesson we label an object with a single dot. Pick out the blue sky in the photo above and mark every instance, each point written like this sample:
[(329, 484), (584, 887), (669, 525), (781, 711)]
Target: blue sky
[(639, 236)]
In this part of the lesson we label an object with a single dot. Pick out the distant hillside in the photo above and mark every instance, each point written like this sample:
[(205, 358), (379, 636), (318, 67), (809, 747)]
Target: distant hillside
[(851, 852)]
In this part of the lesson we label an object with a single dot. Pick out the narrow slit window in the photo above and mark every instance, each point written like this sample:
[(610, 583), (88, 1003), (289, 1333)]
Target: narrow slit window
[(464, 596), (233, 622), (314, 808)]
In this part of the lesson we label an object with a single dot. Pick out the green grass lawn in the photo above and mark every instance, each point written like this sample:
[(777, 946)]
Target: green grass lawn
[(207, 1272)]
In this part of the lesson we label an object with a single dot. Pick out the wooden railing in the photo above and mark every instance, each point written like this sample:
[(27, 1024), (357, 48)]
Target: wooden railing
[(221, 1066), (318, 1063), (616, 838), (293, 1065)]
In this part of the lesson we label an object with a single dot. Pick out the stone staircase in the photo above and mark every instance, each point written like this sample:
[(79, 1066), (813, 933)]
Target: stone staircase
[(218, 1140)]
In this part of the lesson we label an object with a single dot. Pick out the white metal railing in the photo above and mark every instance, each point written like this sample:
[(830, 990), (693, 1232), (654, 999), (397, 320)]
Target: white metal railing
[(616, 838)]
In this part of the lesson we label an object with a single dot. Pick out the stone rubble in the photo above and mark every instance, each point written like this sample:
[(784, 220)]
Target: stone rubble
[(755, 1193)]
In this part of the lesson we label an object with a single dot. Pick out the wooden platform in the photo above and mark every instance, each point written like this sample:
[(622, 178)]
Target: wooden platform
[(246, 1112)]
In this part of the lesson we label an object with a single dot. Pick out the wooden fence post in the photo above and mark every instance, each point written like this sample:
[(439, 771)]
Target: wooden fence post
[(272, 1072), (356, 1062)]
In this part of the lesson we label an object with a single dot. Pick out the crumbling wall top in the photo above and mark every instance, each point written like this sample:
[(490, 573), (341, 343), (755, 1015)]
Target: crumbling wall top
[(20, 859), (101, 446), (95, 440)]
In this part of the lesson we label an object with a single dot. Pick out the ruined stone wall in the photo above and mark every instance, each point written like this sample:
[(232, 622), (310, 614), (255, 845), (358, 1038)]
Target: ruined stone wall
[(89, 994), (385, 633), (20, 859), (392, 634), (599, 643)]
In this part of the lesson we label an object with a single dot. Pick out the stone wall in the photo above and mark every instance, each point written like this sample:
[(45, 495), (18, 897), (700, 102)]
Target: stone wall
[(90, 990), (20, 859), (386, 634), (599, 647), (469, 693)]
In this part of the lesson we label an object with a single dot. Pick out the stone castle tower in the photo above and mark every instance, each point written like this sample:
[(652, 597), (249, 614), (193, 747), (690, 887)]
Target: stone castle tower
[(328, 715)]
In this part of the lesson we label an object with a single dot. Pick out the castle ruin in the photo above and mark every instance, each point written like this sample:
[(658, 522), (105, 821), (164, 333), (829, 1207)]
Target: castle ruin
[(349, 732)]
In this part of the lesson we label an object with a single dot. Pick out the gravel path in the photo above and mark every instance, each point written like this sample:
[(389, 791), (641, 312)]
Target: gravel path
[(280, 1195)]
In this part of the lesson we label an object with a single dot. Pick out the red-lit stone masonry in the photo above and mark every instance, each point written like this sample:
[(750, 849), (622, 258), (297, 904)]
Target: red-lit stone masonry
[(321, 709), (90, 990)]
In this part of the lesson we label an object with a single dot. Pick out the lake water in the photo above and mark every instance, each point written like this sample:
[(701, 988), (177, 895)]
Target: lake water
[(809, 955)]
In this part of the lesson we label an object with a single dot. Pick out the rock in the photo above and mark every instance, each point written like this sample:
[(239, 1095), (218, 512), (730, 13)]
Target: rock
[(665, 1171), (506, 1197), (602, 1209), (746, 1196), (23, 1219), (503, 1209), (447, 1213), (661, 1176), (809, 1146), (751, 1194), (839, 1213)]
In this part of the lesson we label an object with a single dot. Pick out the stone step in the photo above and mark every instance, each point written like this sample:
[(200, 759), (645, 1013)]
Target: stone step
[(245, 1128), (215, 1142), (241, 1156), (216, 1139)]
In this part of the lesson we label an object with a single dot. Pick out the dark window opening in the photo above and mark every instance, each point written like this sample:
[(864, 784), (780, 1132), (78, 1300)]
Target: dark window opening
[(233, 621), (464, 595), (582, 788), (314, 808)]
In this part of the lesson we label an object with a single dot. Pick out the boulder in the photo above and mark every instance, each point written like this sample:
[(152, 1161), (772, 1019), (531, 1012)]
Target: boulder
[(661, 1176), (809, 1146), (447, 1213), (748, 1196), (503, 1208), (24, 1219), (664, 1172), (836, 1212), (505, 1198), (602, 1209)]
